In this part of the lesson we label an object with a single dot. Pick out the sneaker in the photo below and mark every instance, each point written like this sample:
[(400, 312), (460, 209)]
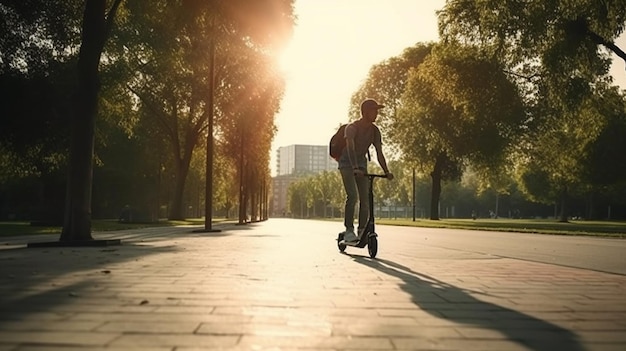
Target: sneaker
[(349, 235)]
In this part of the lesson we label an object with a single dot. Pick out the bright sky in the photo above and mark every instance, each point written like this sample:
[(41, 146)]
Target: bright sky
[(334, 44)]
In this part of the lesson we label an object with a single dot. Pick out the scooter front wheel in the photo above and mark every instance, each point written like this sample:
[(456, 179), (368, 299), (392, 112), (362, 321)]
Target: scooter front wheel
[(372, 246), (340, 246)]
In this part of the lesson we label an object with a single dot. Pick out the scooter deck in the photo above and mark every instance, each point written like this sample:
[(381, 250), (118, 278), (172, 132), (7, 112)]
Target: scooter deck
[(360, 243)]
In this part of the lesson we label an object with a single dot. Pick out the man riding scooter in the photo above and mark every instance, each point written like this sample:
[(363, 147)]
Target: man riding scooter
[(359, 135)]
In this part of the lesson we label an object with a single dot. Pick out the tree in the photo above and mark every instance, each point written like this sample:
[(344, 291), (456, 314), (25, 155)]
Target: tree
[(498, 181), (321, 184), (458, 108), (252, 88), (559, 152), (297, 198), (337, 198)]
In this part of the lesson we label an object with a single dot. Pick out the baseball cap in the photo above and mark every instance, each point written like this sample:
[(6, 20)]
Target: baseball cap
[(369, 104)]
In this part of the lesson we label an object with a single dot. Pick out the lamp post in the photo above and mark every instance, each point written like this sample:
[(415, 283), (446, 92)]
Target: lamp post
[(208, 195), (414, 194)]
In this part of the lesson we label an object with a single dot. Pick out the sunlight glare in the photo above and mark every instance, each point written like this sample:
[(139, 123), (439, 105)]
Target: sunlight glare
[(287, 62)]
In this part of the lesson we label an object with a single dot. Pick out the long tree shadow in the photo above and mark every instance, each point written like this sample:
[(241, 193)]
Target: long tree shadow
[(462, 307), (39, 280), (35, 280)]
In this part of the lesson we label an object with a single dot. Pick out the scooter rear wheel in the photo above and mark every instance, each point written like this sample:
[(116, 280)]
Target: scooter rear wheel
[(372, 246)]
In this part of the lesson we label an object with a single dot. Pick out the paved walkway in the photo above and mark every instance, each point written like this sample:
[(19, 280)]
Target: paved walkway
[(282, 284)]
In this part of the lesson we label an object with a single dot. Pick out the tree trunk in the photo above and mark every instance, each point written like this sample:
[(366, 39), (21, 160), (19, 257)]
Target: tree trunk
[(253, 198), (182, 164), (266, 200), (77, 219), (563, 212), (497, 205), (260, 203), (436, 189), (177, 211), (242, 214)]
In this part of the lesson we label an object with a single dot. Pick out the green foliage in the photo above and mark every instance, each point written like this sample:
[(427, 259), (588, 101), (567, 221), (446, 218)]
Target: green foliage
[(153, 106), (314, 195), (607, 149), (462, 105), (179, 89), (36, 118), (563, 44), (558, 54), (560, 149), (38, 34), (563, 34), (531, 197), (396, 191), (386, 82)]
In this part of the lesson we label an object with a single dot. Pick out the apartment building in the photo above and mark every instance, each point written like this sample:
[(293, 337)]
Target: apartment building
[(292, 163)]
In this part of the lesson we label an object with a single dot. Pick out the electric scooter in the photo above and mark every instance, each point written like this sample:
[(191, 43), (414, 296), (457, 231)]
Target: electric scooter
[(368, 237)]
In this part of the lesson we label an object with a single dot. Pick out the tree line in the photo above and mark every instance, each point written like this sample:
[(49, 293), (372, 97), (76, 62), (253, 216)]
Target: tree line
[(113, 104), (408, 196)]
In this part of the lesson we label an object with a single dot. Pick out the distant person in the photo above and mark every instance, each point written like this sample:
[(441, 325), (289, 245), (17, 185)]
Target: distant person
[(359, 136), (126, 214)]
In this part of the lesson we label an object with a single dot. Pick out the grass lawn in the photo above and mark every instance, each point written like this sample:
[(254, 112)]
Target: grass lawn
[(612, 229), (24, 228)]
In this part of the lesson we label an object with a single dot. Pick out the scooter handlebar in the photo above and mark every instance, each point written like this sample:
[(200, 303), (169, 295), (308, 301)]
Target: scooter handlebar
[(375, 175)]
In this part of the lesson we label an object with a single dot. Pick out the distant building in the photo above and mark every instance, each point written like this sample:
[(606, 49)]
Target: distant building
[(280, 185), (303, 159), (292, 163)]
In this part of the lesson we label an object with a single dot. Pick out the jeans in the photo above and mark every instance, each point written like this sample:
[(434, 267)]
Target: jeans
[(355, 187)]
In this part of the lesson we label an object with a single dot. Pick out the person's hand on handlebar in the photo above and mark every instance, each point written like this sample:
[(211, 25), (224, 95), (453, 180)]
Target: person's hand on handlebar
[(389, 175)]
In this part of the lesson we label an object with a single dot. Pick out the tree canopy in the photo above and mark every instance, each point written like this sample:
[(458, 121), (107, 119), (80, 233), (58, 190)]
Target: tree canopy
[(566, 43)]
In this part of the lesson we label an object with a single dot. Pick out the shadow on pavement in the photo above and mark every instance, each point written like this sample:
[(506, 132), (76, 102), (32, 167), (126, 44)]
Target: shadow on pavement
[(518, 327), (126, 236), (50, 281), (53, 281)]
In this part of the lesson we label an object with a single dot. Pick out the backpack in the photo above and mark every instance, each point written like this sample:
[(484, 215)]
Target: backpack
[(338, 143)]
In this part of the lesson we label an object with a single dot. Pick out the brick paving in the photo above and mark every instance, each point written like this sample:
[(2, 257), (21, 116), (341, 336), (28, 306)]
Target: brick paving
[(283, 285)]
